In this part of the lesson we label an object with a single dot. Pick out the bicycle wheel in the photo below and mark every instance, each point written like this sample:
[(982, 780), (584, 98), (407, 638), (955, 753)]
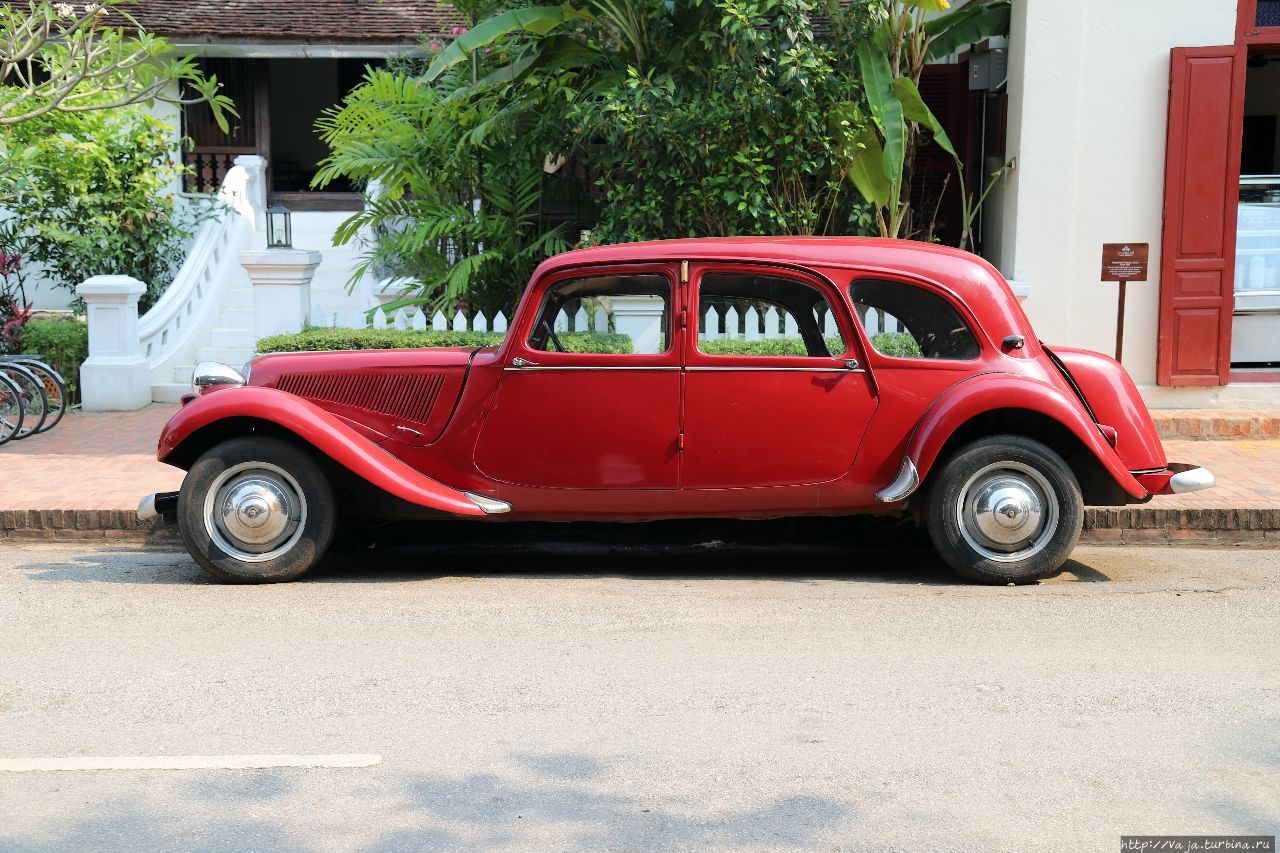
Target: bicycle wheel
[(55, 391), (11, 411), (34, 404)]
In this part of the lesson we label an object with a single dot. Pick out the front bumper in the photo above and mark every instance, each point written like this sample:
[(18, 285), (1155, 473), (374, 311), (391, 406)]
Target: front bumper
[(1177, 479), (160, 503)]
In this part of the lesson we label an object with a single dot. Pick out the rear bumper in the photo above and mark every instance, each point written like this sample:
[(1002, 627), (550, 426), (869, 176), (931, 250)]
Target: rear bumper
[(1177, 479)]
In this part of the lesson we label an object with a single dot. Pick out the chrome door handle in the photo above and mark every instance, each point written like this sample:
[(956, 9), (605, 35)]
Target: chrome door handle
[(852, 364), (523, 362)]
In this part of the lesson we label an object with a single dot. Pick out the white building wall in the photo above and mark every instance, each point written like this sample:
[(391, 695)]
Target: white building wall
[(1088, 105)]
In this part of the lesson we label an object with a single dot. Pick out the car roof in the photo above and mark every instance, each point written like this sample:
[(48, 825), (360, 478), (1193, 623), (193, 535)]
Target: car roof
[(966, 274)]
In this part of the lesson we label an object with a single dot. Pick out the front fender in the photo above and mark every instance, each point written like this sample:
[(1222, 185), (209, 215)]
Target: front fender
[(992, 391), (323, 431)]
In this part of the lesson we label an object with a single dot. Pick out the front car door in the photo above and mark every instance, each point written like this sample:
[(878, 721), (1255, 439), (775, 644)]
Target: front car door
[(775, 392), (573, 409)]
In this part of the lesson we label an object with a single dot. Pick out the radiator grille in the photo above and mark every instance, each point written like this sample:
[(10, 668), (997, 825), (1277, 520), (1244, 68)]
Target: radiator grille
[(410, 398)]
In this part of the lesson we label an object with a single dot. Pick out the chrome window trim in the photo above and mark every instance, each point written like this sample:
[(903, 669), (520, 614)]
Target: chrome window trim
[(780, 368), (530, 367)]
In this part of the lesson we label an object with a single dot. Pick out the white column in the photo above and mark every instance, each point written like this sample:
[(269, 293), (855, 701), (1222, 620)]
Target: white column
[(115, 377), (639, 318), (281, 281)]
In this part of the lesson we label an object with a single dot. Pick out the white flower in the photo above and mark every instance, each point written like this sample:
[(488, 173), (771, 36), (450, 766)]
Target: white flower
[(96, 9), (64, 10)]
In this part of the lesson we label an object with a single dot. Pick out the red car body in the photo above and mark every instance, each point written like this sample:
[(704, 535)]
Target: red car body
[(517, 432)]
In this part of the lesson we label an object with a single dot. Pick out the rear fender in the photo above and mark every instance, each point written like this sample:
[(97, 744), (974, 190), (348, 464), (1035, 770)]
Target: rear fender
[(326, 433), (993, 391)]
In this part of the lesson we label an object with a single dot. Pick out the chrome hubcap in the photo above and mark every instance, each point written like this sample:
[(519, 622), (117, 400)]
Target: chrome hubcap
[(1007, 511), (255, 511)]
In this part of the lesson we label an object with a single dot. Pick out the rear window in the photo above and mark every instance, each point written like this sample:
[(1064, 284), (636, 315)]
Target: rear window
[(907, 321)]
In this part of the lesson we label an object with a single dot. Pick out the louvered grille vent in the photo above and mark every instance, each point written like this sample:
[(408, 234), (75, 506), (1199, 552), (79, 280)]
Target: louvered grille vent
[(410, 398)]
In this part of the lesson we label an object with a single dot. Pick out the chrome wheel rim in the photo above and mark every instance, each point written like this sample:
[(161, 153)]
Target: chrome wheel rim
[(255, 511), (1007, 511)]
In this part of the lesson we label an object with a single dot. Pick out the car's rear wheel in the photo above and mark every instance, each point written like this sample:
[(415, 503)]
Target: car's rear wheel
[(1005, 510), (256, 510)]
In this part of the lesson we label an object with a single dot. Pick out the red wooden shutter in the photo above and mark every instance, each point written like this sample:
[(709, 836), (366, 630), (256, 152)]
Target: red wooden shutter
[(1202, 170)]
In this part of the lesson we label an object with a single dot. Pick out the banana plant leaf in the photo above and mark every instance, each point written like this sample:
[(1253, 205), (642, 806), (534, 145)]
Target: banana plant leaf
[(538, 20), (866, 169), (886, 109), (962, 27), (914, 108)]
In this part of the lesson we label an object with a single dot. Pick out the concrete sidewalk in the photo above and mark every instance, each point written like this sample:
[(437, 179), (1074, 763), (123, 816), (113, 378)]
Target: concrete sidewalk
[(84, 479)]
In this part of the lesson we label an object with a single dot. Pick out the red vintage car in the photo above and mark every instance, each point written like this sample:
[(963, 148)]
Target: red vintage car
[(730, 378)]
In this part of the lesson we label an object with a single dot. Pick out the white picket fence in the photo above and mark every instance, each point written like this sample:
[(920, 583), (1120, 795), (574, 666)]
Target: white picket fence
[(751, 325)]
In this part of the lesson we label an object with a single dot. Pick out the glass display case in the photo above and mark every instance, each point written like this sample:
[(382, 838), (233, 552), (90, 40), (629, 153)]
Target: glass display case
[(1255, 336)]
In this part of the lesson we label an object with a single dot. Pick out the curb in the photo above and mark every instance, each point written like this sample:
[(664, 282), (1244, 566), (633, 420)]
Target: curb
[(66, 525), (1102, 525), (1193, 425)]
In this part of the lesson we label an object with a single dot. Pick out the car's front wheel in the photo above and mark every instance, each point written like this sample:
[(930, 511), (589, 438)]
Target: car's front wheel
[(256, 510), (1005, 510)]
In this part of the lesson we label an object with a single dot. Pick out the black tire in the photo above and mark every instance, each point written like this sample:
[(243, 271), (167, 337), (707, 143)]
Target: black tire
[(981, 510), (55, 392), (244, 470), (12, 413), (32, 397)]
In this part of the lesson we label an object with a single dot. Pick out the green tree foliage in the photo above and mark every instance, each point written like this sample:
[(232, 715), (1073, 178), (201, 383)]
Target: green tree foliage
[(94, 198)]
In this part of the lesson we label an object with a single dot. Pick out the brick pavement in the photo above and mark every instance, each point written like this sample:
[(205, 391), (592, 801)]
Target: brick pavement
[(106, 462), (103, 460)]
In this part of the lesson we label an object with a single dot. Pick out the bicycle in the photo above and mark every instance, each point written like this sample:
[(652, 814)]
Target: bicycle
[(12, 412), (30, 396), (55, 388)]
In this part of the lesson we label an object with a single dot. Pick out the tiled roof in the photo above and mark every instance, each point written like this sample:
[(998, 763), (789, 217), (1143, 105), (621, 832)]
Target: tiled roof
[(297, 20)]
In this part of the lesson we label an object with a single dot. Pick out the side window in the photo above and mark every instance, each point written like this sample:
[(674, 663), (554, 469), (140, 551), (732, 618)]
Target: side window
[(605, 314), (905, 321), (749, 314)]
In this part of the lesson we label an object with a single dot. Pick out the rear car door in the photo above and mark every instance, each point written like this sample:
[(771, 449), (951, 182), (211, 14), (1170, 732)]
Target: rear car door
[(775, 392)]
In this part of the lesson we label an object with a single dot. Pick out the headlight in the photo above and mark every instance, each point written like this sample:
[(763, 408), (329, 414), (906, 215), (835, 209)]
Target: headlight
[(210, 373)]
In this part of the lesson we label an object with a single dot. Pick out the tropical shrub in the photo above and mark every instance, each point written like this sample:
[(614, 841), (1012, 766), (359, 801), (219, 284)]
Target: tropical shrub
[(94, 198), (462, 224), (64, 343)]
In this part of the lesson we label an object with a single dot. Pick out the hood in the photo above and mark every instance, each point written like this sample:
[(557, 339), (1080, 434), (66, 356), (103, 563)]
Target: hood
[(405, 395)]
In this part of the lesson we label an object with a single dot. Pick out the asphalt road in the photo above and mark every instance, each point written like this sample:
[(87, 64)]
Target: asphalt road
[(609, 697)]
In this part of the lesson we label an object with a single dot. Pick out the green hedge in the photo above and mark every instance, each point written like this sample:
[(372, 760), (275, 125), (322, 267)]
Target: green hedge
[(898, 344), (770, 346), (65, 345), (356, 339)]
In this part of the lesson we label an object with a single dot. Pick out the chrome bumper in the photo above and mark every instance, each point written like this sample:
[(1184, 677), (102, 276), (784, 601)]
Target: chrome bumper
[(160, 503), (1192, 480)]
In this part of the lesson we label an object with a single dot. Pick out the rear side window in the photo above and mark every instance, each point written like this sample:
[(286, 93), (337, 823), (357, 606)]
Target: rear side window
[(906, 321)]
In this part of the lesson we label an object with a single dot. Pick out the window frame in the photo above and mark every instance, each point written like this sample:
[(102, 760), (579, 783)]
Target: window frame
[(836, 303), (536, 302), (949, 297)]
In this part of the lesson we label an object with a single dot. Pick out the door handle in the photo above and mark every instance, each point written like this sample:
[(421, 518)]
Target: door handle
[(523, 362), (852, 364)]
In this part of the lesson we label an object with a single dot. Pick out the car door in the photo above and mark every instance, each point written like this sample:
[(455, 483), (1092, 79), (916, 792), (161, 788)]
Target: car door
[(571, 410), (775, 392)]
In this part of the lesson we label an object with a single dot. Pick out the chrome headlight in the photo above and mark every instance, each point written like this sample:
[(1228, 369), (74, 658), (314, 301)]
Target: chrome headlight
[(210, 373)]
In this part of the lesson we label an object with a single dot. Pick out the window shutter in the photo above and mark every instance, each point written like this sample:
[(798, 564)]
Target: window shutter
[(1202, 168)]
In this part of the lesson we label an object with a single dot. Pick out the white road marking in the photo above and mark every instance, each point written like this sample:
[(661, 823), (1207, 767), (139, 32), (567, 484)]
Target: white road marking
[(185, 762)]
